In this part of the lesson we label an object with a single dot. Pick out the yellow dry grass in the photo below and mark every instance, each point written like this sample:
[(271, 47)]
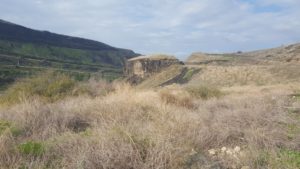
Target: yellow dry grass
[(233, 76), (249, 110), (245, 75), (134, 128)]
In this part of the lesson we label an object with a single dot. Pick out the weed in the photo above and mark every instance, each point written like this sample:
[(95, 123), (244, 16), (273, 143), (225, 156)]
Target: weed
[(289, 158), (32, 148), (205, 92), (23, 167), (93, 88), (168, 127), (179, 98), (293, 130), (49, 86), (6, 125), (262, 159)]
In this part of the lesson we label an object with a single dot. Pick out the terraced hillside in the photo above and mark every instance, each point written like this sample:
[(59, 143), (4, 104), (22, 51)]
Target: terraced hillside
[(24, 51)]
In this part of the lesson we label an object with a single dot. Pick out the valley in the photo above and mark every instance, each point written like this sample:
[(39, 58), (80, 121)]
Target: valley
[(76, 104)]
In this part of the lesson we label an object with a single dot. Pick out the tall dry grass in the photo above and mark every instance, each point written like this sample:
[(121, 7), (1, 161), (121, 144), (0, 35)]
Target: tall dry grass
[(235, 76), (130, 128)]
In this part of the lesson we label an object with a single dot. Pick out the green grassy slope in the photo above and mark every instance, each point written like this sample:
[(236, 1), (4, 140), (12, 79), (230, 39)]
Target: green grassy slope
[(23, 59), (24, 52)]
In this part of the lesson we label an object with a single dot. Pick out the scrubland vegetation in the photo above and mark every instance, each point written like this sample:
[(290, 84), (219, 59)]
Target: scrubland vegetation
[(223, 118)]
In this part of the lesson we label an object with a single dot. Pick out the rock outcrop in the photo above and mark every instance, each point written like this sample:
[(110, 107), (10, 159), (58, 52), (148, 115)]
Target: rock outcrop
[(139, 68)]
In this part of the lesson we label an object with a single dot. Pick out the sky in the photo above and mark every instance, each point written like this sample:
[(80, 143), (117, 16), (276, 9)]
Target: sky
[(176, 27)]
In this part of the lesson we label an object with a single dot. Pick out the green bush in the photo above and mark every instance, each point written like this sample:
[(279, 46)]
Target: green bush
[(50, 86), (32, 148), (205, 92)]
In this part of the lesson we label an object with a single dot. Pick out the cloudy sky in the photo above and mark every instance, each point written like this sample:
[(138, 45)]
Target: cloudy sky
[(177, 27)]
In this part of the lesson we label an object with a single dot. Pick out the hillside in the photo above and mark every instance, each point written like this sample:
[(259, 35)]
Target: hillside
[(290, 53), (261, 67), (24, 51), (225, 112), (283, 54)]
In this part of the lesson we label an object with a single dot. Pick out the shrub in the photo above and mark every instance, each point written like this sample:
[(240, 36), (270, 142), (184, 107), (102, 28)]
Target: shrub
[(176, 97), (50, 86), (204, 92), (93, 88), (6, 125), (31, 148)]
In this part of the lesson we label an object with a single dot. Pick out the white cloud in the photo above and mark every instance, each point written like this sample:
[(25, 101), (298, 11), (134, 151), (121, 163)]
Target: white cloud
[(168, 26)]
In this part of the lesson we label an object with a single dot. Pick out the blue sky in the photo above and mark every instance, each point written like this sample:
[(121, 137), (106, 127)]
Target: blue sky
[(177, 27)]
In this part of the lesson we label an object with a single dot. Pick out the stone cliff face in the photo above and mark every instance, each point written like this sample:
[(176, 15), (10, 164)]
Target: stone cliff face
[(139, 68)]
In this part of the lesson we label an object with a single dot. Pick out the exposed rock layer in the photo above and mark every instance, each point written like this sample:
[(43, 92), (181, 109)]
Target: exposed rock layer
[(141, 67)]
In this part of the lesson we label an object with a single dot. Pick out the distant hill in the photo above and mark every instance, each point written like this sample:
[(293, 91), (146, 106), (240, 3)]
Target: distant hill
[(290, 53), (24, 51)]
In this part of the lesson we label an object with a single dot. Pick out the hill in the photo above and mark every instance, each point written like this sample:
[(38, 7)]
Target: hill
[(283, 54), (261, 67), (223, 113), (24, 51), (290, 53)]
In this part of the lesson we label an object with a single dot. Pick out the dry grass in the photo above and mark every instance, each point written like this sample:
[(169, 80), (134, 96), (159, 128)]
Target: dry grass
[(51, 87), (245, 75), (175, 96), (130, 128), (205, 92), (234, 76)]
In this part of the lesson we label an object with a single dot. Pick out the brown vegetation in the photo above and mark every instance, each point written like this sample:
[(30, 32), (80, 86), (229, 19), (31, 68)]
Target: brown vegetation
[(120, 126)]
